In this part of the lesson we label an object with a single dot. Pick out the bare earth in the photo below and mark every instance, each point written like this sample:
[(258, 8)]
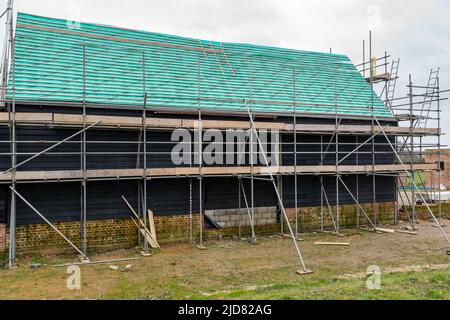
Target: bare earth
[(412, 266)]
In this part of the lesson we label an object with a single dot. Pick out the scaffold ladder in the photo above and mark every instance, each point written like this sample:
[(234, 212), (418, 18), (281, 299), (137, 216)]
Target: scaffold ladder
[(428, 97), (217, 49), (392, 82)]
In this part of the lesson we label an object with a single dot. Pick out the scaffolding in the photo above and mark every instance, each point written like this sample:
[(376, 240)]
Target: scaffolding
[(403, 142)]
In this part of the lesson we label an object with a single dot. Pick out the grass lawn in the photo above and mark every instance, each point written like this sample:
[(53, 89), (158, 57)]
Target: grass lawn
[(412, 267)]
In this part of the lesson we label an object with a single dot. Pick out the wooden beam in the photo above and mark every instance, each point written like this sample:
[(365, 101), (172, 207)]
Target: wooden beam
[(117, 39), (192, 171), (344, 244), (135, 123), (151, 222), (385, 230), (407, 232)]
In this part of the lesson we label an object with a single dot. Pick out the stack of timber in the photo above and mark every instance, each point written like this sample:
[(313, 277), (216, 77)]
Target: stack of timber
[(148, 233)]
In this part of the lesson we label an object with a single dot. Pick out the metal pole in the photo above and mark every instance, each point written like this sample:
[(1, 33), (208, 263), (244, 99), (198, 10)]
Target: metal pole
[(83, 163), (248, 212), (144, 149), (200, 188), (252, 159), (239, 212), (358, 210), (396, 192), (13, 168), (12, 117), (321, 184), (414, 184), (280, 200), (411, 150), (439, 150), (372, 73), (364, 59), (48, 222), (6, 51), (337, 151), (357, 203), (190, 211), (330, 212), (295, 155), (200, 156)]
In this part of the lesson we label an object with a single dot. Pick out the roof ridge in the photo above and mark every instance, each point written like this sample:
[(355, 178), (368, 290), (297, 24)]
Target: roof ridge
[(146, 32)]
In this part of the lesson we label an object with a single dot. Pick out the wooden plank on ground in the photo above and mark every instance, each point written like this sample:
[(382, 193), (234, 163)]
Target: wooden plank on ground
[(407, 232), (385, 230), (344, 244)]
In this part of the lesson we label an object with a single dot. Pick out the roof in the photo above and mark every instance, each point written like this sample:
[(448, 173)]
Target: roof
[(56, 60)]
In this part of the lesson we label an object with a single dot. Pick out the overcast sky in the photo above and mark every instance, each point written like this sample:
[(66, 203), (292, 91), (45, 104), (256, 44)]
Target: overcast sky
[(416, 31)]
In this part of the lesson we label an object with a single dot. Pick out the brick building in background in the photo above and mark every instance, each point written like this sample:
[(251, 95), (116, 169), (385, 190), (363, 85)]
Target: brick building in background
[(432, 178)]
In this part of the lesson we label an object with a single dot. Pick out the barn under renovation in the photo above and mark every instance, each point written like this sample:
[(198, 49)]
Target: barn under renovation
[(113, 137)]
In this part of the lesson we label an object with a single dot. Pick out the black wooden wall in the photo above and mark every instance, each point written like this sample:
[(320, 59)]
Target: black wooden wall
[(62, 201)]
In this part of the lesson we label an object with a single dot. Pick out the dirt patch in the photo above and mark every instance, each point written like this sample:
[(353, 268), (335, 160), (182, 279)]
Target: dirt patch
[(233, 269)]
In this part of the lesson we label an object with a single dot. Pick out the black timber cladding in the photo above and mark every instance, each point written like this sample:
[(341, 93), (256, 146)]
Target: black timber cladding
[(61, 201)]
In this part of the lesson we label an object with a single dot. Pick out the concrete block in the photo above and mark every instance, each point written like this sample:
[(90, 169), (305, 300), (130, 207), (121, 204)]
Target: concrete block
[(210, 213), (221, 224), (272, 210), (268, 215), (230, 224)]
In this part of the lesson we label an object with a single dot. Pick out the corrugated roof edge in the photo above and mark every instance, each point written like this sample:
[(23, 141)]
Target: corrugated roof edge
[(145, 32)]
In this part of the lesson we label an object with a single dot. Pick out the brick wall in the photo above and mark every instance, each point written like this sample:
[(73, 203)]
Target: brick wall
[(309, 218), (108, 234), (102, 233), (431, 178), (2, 238)]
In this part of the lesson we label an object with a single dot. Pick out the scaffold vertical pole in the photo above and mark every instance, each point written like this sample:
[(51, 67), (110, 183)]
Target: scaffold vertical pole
[(294, 96), (200, 156), (144, 149), (411, 150), (252, 157), (371, 74), (336, 150), (321, 184), (439, 150), (12, 125), (358, 210), (83, 164)]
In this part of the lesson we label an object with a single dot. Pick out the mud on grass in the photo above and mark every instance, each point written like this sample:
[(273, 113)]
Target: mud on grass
[(413, 267)]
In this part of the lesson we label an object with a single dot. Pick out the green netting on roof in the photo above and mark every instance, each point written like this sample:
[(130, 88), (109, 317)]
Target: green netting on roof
[(55, 62)]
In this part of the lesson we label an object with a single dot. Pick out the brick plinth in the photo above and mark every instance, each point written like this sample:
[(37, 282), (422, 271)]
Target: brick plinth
[(2, 238), (310, 218), (106, 234)]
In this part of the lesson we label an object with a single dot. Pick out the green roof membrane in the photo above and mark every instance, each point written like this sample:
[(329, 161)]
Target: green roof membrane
[(52, 57)]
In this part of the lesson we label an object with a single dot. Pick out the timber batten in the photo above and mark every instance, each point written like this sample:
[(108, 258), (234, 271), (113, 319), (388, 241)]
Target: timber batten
[(207, 171), (73, 120)]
